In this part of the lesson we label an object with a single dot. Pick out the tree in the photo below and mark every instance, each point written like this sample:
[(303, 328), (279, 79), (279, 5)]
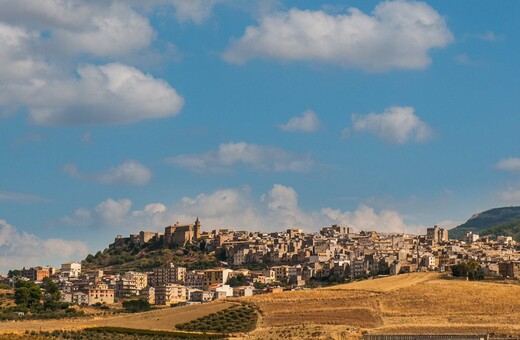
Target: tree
[(22, 296), (27, 293), (236, 281), (14, 273), (135, 306), (471, 270), (52, 294)]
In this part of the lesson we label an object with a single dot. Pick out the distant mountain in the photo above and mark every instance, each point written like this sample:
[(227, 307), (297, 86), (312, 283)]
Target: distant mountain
[(486, 220)]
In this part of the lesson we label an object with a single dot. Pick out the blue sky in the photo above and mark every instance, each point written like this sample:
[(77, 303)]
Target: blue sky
[(120, 116)]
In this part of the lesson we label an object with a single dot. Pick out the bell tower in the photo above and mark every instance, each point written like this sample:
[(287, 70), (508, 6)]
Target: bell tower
[(196, 229)]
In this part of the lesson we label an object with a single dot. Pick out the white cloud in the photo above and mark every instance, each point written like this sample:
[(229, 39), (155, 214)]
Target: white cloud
[(278, 209), (258, 157), (365, 218), (19, 249), (107, 94), (150, 209), (112, 93), (126, 173), (107, 28), (194, 10), (112, 212), (21, 197), (398, 34), (395, 125), (307, 122), (509, 164), (109, 213)]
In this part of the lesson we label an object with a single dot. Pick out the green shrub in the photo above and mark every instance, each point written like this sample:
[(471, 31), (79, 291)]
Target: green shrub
[(241, 318)]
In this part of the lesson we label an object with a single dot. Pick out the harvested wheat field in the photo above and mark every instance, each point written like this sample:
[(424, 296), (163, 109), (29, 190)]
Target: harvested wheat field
[(162, 319), (404, 304)]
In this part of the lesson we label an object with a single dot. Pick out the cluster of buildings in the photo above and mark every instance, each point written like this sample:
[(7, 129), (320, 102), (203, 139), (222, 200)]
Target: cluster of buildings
[(283, 260)]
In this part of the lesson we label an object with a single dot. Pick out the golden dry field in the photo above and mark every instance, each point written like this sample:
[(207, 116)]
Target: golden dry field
[(404, 304), (162, 319)]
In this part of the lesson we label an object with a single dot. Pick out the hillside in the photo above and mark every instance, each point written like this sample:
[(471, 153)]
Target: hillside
[(508, 229), (486, 220), (133, 256)]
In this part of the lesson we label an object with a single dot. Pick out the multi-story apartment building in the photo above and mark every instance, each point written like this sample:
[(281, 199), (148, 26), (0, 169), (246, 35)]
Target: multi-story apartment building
[(100, 294), (131, 283), (165, 275), (281, 273), (170, 294), (195, 279), (213, 276)]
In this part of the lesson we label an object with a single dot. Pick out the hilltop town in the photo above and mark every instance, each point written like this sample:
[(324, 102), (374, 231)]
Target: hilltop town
[(252, 263)]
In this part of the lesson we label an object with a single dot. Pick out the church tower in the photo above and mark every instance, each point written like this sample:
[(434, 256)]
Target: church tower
[(196, 229)]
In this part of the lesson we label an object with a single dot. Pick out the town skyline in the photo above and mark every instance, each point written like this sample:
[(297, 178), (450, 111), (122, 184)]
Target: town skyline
[(120, 116)]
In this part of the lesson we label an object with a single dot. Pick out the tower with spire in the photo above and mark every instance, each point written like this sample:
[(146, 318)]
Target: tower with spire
[(196, 229)]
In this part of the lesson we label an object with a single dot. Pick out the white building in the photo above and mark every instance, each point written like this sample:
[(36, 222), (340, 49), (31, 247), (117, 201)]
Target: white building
[(71, 269)]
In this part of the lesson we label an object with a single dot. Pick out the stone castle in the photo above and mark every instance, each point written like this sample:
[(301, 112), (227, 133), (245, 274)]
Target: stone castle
[(182, 234), (177, 235)]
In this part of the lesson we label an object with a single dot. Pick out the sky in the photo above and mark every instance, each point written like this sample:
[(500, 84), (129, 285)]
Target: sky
[(120, 116)]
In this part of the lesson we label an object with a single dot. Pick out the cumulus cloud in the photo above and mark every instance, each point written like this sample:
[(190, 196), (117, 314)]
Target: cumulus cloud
[(509, 164), (36, 77), (108, 213), (307, 122), (107, 28), (112, 212), (277, 209), (18, 249), (365, 218), (397, 34), (126, 173), (108, 94), (257, 157), (150, 209), (396, 124)]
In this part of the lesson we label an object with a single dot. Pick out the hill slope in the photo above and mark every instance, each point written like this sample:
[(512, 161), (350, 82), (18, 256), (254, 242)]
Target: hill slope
[(131, 256), (486, 220), (508, 229)]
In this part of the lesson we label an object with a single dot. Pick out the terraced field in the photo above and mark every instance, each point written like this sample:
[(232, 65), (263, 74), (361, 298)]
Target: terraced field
[(404, 304)]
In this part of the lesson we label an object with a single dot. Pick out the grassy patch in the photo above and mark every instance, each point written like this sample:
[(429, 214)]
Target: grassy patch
[(235, 319)]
